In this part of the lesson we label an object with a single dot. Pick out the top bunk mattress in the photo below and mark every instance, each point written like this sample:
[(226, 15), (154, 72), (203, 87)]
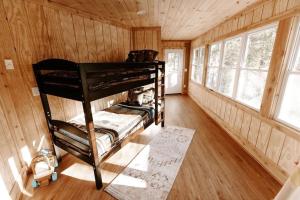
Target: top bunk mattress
[(99, 80)]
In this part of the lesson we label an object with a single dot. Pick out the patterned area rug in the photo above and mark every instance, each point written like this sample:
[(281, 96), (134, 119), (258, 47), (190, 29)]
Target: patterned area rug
[(152, 172)]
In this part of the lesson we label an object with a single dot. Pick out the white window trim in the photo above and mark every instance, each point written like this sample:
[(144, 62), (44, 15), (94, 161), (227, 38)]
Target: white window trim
[(243, 59), (237, 67), (292, 52), (220, 66), (213, 66), (201, 78), (241, 65)]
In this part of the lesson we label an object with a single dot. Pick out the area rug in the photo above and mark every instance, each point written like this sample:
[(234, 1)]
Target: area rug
[(151, 174)]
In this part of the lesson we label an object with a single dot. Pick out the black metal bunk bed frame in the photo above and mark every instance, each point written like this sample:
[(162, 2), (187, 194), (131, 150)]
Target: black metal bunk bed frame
[(77, 88)]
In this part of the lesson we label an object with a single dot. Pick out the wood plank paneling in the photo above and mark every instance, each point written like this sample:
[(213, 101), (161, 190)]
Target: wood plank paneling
[(232, 116), (267, 9), (99, 41), (246, 125), (253, 131), (114, 43), (7, 151), (107, 42), (179, 19), (70, 46), (219, 105), (54, 32), (147, 38), (251, 17), (290, 155), (36, 17), (13, 89), (257, 14), (275, 145), (127, 42), (90, 39), (17, 19), (227, 112), (223, 109), (81, 38), (238, 121), (250, 131), (120, 44), (272, 143), (263, 137), (31, 32)]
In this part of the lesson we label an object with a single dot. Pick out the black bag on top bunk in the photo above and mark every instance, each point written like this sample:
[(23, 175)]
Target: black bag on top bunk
[(146, 55)]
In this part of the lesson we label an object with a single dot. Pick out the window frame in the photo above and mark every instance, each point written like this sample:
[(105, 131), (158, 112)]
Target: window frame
[(291, 61), (198, 64), (236, 68), (242, 61), (214, 67)]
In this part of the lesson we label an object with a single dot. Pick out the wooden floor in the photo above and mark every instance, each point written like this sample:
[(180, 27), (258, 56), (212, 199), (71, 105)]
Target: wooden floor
[(215, 167)]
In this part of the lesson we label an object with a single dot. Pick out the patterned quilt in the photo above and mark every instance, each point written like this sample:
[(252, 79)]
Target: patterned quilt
[(113, 124)]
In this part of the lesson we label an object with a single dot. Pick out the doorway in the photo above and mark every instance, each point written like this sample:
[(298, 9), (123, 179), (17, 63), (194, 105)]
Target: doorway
[(174, 70)]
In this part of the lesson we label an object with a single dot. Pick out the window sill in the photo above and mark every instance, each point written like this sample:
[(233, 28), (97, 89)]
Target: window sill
[(195, 82), (246, 105), (286, 124), (234, 102)]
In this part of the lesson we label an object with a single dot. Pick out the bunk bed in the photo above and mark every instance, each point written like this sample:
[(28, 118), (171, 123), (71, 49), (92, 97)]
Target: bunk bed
[(85, 136)]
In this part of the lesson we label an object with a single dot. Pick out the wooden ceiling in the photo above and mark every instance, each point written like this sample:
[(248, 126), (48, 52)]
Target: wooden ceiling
[(179, 19)]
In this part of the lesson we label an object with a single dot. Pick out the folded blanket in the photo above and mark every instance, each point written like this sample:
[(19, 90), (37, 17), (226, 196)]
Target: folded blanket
[(109, 128)]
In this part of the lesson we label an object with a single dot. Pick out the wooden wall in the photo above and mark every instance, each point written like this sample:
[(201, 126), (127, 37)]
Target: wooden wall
[(186, 46), (259, 13), (147, 38), (31, 32), (274, 145)]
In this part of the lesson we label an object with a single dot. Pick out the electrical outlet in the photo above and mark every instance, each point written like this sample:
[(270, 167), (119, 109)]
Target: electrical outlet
[(35, 91), (9, 64)]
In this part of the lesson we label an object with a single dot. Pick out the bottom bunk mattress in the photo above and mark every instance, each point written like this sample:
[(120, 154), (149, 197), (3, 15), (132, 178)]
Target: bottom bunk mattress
[(112, 125)]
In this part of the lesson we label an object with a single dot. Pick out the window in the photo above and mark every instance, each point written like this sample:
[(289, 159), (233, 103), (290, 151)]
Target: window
[(231, 61), (197, 65), (254, 72), (289, 110), (173, 62), (238, 66), (213, 65)]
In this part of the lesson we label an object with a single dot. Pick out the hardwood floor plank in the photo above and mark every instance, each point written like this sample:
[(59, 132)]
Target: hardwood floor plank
[(215, 166)]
